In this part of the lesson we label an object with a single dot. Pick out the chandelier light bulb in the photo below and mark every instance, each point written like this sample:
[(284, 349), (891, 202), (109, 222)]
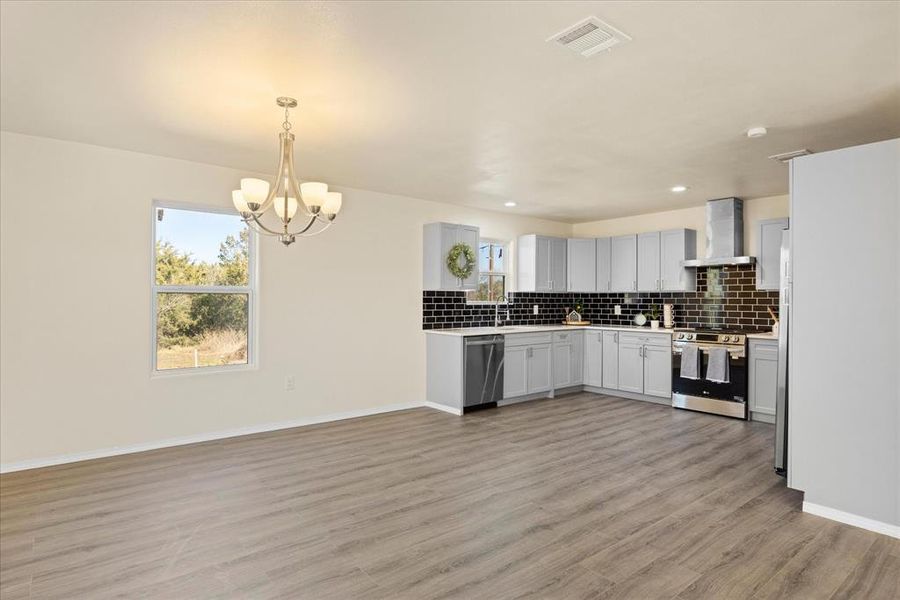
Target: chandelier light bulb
[(254, 191), (291, 207), (313, 194), (237, 197), (332, 204)]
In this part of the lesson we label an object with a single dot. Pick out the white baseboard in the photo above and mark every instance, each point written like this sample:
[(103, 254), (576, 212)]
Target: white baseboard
[(200, 437), (851, 519), (446, 409)]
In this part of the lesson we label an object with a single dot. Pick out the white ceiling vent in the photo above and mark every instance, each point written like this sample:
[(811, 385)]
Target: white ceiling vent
[(589, 36)]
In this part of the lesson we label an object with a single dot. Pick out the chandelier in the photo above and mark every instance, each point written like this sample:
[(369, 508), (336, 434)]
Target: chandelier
[(317, 206)]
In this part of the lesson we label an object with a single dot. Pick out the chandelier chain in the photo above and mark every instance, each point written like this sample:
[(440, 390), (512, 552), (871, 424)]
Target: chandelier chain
[(287, 122)]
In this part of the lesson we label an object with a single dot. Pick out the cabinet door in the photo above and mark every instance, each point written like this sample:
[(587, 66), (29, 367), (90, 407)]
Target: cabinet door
[(449, 238), (768, 261), (675, 246), (593, 358), (763, 377), (648, 262), (562, 364), (539, 369), (515, 371), (603, 264), (558, 252), (658, 371), (631, 367), (582, 265), (623, 263), (610, 367), (542, 264), (577, 357), (470, 235)]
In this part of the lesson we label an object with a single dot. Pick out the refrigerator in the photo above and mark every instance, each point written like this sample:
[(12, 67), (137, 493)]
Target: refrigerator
[(784, 328)]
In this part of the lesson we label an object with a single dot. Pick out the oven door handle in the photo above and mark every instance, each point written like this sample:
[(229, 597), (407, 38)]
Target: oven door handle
[(735, 354)]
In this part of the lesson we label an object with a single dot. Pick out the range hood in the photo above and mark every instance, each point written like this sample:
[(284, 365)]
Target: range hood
[(724, 235)]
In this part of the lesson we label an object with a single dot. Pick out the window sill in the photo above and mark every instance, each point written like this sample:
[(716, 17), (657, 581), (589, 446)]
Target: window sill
[(195, 371)]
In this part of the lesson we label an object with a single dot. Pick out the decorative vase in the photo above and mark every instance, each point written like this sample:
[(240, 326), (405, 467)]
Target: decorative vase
[(654, 324)]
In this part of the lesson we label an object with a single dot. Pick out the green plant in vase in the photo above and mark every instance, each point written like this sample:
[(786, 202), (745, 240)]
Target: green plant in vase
[(654, 316)]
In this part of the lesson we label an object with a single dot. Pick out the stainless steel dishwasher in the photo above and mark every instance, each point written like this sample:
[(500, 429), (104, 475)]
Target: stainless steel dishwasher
[(483, 377)]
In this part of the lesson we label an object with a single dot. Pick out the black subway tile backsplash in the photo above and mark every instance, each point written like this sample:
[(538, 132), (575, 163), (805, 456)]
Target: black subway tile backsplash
[(725, 297)]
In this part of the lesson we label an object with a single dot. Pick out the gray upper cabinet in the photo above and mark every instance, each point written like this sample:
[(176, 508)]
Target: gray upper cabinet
[(542, 263), (604, 257), (438, 239), (582, 265), (648, 262), (768, 261), (677, 245), (623, 263)]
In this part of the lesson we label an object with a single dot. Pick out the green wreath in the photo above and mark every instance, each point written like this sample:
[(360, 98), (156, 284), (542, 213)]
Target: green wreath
[(463, 251)]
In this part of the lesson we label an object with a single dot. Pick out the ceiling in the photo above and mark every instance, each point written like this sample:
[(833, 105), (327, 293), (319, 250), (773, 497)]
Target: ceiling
[(465, 102)]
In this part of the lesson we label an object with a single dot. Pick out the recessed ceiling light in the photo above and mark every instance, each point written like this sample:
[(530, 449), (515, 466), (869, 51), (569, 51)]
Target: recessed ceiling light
[(755, 132), (509, 204), (679, 188)]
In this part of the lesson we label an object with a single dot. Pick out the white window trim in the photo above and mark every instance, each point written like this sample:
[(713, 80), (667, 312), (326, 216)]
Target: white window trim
[(251, 290), (505, 272)]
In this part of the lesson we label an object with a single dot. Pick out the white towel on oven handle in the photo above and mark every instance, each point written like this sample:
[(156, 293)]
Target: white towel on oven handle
[(718, 369), (690, 362)]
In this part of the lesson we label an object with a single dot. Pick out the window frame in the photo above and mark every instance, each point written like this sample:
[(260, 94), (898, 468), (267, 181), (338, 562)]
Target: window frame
[(505, 273), (251, 290)]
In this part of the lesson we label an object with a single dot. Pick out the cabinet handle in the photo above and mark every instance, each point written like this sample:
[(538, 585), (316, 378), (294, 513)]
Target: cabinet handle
[(634, 285), (608, 285), (616, 337), (657, 284), (663, 286)]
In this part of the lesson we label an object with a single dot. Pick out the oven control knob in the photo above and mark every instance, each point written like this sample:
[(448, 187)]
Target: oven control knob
[(690, 336), (726, 338), (680, 336)]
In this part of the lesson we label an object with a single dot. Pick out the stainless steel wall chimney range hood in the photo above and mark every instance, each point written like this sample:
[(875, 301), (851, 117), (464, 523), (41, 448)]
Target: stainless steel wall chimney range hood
[(724, 235)]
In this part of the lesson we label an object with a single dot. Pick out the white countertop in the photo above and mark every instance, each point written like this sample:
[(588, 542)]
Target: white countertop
[(513, 329), (765, 335)]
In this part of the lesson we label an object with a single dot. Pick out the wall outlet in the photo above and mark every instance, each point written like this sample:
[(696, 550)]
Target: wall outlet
[(290, 384), (617, 309), (535, 309)]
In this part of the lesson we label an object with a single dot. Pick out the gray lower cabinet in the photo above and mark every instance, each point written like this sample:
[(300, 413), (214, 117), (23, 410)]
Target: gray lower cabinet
[(568, 356), (515, 371), (593, 358), (645, 364), (768, 260), (631, 367), (762, 376), (658, 371), (610, 375), (528, 364)]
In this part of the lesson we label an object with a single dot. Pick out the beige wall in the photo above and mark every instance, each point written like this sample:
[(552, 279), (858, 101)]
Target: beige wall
[(690, 218), (341, 311)]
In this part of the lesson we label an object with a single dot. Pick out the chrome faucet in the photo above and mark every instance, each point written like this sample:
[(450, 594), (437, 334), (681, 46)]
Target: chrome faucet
[(497, 320)]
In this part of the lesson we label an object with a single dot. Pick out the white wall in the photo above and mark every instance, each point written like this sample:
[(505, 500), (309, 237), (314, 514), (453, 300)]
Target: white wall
[(755, 210), (341, 311), (844, 384)]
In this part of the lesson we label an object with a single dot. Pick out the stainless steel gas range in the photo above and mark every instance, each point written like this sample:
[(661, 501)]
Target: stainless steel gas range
[(729, 398)]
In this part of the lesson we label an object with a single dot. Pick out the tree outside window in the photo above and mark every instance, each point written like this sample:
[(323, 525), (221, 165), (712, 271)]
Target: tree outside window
[(492, 265)]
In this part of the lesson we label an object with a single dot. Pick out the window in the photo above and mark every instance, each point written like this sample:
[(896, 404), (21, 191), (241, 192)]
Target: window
[(203, 289), (492, 263)]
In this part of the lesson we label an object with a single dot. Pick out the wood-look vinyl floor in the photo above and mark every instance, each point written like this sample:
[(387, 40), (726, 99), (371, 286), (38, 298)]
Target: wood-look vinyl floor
[(584, 496)]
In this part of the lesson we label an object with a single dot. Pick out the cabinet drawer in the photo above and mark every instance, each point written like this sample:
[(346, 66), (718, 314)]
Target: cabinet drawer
[(528, 339), (645, 339), (565, 336)]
